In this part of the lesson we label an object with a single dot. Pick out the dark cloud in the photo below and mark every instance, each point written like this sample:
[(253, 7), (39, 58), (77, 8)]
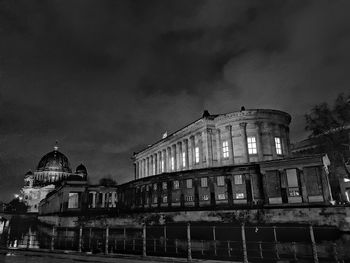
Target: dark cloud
[(106, 78)]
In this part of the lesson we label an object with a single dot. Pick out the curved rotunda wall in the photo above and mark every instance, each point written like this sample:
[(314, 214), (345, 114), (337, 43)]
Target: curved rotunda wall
[(219, 140)]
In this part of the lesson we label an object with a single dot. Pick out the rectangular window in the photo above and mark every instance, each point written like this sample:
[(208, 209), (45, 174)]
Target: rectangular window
[(154, 168), (238, 179), (176, 184), (221, 196), (184, 159), (239, 195), (278, 145), (252, 145), (204, 182), (189, 183), (292, 181), (73, 200), (165, 185), (220, 180), (172, 160), (225, 151), (196, 154), (155, 199), (205, 197), (189, 198), (162, 165), (155, 187), (165, 199)]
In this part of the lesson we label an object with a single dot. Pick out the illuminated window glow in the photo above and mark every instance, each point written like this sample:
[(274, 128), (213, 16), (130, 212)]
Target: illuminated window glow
[(196, 150), (225, 151), (238, 179), (172, 160), (189, 183), (252, 145), (204, 182), (176, 184), (278, 145), (184, 159), (220, 180)]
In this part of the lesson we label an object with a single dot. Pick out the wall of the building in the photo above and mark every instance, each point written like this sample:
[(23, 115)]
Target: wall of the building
[(209, 134)]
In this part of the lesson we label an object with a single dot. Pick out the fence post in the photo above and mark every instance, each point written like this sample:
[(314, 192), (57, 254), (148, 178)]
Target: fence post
[(90, 236), (144, 240), (335, 253), (29, 236), (214, 238), (8, 236), (276, 247), (165, 239), (124, 243), (189, 249), (106, 242), (244, 245), (53, 238), (80, 238), (314, 248)]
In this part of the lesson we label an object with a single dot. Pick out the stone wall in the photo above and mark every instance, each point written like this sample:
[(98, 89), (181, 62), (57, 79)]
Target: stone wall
[(319, 216)]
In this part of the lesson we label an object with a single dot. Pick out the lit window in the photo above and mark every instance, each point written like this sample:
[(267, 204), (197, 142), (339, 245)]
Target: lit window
[(238, 179), (155, 187), (252, 145), (165, 199), (172, 160), (220, 180), (176, 184), (189, 198), (278, 145), (189, 183), (225, 149), (162, 165), (239, 195), (196, 154), (154, 168), (204, 182), (184, 159), (221, 197), (205, 197), (73, 200), (165, 185), (292, 181), (155, 199)]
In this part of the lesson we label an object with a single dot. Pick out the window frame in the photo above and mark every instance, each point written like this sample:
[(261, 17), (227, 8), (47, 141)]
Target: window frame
[(196, 155), (225, 150), (278, 146), (252, 145)]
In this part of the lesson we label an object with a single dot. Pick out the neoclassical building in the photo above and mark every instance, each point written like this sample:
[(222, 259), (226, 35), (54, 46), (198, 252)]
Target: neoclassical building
[(242, 137), (52, 169)]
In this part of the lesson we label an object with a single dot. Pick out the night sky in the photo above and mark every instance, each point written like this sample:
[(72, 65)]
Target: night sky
[(106, 78)]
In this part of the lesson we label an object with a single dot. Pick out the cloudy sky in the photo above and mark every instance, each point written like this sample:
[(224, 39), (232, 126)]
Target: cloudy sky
[(106, 78)]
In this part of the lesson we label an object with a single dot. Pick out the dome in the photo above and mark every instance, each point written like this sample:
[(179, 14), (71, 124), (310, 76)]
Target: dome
[(54, 161), (81, 169)]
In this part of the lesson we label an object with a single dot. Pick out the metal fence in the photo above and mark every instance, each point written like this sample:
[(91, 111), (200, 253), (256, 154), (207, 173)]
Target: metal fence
[(240, 243)]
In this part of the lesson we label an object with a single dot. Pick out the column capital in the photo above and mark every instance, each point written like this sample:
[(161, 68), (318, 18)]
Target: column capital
[(228, 127), (243, 125)]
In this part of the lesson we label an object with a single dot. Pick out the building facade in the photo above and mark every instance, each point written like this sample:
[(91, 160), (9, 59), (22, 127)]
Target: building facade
[(238, 160), (247, 136)]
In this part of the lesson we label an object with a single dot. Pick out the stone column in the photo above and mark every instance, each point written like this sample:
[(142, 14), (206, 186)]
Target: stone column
[(174, 153), (191, 152), (186, 151), (218, 146), (199, 144), (93, 205), (230, 143), (137, 175), (283, 137), (243, 129), (179, 165), (259, 145), (155, 158), (159, 162), (164, 159), (147, 166), (169, 159), (208, 147), (272, 140), (152, 172)]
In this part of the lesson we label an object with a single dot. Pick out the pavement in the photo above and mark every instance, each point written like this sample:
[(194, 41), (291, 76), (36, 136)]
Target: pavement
[(21, 255)]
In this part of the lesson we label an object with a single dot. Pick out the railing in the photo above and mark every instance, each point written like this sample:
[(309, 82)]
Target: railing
[(253, 243)]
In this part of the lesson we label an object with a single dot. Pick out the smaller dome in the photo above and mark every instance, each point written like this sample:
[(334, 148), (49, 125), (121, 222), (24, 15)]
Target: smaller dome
[(29, 173), (81, 169)]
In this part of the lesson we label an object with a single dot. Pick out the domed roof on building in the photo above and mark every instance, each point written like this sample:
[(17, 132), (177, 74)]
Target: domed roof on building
[(81, 169), (54, 161)]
